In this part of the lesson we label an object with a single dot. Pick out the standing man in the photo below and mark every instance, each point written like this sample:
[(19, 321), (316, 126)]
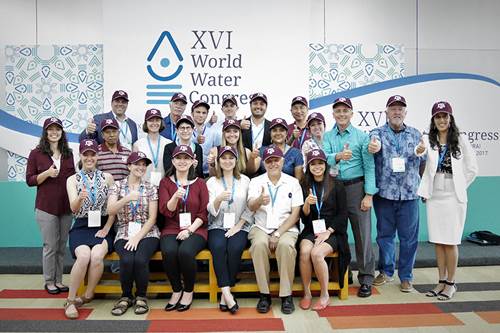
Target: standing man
[(276, 198), (396, 203), (127, 127), (229, 108), (177, 106), (111, 155), (297, 131), (346, 148), (258, 134)]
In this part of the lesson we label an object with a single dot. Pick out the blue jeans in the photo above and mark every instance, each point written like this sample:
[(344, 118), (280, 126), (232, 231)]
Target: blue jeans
[(401, 216)]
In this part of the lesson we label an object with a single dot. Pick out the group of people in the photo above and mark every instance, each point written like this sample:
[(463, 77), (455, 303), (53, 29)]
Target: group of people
[(193, 182)]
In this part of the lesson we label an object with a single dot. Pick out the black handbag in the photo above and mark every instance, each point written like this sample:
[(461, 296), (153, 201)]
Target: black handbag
[(483, 238)]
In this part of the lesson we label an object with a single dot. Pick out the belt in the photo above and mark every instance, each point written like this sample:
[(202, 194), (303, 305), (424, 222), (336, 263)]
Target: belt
[(352, 181)]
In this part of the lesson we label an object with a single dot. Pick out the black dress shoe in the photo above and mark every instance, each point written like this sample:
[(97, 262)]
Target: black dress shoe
[(365, 291), (223, 307), (63, 289), (171, 307), (52, 291), (183, 307), (264, 304), (287, 306), (234, 308)]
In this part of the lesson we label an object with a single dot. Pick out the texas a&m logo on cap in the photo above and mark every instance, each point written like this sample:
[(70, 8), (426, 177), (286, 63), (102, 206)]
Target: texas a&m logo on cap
[(315, 153), (89, 143), (141, 154), (441, 105), (109, 121)]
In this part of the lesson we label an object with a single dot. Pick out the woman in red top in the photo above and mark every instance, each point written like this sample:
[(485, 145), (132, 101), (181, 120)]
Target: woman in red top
[(49, 165), (183, 200)]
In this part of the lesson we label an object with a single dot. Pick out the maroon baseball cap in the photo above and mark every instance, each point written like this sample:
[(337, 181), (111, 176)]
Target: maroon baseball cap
[(224, 149), (231, 122), (88, 144), (272, 151), (441, 106), (52, 120), (260, 95), (152, 113), (315, 116), (396, 99), (301, 100), (178, 97), (200, 103), (120, 94), (184, 119), (342, 100), (228, 98), (136, 156), (315, 154), (109, 122), (278, 122), (183, 149)]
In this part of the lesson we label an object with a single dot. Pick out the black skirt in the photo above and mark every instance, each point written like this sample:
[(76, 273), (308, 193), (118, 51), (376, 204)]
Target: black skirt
[(81, 234)]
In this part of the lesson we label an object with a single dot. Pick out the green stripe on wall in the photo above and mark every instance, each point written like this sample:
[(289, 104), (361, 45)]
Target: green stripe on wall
[(19, 228)]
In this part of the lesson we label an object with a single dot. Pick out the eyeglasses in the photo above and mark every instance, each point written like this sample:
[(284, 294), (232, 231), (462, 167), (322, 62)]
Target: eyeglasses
[(341, 111), (184, 128)]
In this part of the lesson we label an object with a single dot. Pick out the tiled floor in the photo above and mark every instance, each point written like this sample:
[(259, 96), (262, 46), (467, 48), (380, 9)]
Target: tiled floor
[(475, 308)]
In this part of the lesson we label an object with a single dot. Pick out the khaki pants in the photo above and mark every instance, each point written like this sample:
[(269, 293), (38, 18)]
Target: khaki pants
[(285, 256)]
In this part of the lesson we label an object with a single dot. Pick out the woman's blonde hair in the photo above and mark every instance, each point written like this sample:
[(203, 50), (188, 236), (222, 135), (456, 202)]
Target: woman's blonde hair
[(241, 160)]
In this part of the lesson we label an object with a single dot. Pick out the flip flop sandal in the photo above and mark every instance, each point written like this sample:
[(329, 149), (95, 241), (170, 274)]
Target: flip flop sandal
[(446, 297), (141, 305), (68, 312), (121, 306), (434, 293)]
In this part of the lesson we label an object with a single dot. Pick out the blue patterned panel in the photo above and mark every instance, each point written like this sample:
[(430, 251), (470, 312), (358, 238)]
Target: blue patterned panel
[(338, 67)]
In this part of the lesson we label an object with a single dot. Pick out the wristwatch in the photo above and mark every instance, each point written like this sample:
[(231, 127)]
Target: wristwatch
[(276, 234)]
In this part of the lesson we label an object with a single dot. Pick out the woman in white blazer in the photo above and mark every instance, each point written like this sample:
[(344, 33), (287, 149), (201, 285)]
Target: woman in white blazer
[(450, 168)]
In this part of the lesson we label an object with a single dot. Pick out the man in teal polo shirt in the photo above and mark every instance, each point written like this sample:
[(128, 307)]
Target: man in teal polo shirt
[(346, 148)]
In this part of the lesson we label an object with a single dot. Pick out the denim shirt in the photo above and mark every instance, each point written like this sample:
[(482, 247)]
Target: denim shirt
[(397, 185)]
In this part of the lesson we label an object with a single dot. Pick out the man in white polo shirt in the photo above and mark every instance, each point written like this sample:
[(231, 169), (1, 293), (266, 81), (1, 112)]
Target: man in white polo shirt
[(276, 199)]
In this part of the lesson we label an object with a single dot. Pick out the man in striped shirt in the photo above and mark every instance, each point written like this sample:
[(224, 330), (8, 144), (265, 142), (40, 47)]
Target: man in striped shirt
[(112, 157)]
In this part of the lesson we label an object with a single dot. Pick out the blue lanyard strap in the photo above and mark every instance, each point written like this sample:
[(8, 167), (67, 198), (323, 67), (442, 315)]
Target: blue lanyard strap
[(136, 206), (173, 131), (185, 197), (124, 134), (273, 195), (195, 133), (320, 205), (232, 189), (303, 136), (442, 155), (91, 190), (254, 137), (155, 157)]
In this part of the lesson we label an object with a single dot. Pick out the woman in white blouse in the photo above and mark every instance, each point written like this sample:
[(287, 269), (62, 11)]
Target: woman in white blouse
[(227, 230), (153, 145)]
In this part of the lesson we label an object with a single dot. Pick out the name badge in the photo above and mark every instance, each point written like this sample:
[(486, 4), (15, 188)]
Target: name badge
[(319, 226), (134, 228), (229, 220), (398, 164), (184, 220), (272, 221), (334, 171), (94, 218), (155, 178)]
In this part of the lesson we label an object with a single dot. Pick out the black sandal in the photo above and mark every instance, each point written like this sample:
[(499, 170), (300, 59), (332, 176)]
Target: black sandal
[(141, 305), (446, 297), (434, 293), (121, 306)]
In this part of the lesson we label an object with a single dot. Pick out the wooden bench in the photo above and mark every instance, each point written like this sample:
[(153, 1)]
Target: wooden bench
[(207, 283)]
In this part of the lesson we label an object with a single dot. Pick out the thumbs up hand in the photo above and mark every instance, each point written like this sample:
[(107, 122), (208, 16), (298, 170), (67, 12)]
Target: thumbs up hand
[(374, 146), (52, 171), (91, 126), (265, 199), (311, 198), (245, 124), (421, 147), (346, 153), (213, 119)]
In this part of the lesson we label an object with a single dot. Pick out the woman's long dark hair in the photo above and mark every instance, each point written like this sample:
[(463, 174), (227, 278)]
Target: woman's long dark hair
[(62, 145), (451, 139), (327, 184)]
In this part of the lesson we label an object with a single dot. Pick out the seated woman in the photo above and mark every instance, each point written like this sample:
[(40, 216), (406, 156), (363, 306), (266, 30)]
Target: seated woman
[(324, 216), (227, 230), (183, 202), (135, 203), (91, 236)]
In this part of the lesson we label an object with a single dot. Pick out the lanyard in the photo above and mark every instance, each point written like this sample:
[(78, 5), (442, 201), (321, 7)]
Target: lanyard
[(396, 140), (124, 134), (91, 190), (254, 137), (155, 157), (442, 155), (273, 195), (195, 133), (136, 206), (173, 131), (232, 189), (185, 197), (318, 206), (303, 136)]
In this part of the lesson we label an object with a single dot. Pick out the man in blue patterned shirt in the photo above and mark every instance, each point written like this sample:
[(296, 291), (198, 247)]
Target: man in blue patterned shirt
[(396, 204), (346, 148)]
